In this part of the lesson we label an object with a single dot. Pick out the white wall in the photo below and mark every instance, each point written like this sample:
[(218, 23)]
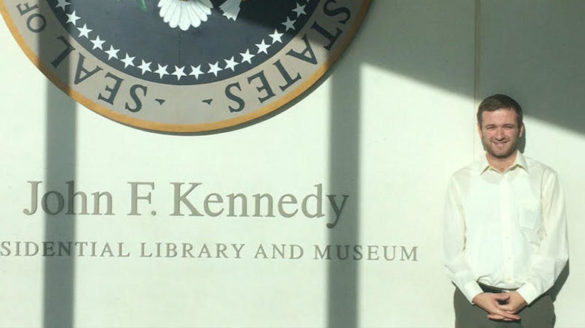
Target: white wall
[(394, 119)]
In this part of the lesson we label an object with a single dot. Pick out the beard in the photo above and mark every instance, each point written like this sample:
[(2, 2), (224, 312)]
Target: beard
[(501, 152)]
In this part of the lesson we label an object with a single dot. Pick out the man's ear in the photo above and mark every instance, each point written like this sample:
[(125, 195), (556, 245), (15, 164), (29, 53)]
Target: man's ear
[(479, 129), (521, 131)]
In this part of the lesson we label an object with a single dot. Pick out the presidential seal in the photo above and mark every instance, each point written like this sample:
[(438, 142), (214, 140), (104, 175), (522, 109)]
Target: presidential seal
[(184, 65)]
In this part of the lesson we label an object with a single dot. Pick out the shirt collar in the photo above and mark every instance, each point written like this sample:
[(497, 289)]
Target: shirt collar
[(520, 162)]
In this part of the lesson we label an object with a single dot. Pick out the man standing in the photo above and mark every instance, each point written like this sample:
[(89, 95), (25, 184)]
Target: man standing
[(505, 235)]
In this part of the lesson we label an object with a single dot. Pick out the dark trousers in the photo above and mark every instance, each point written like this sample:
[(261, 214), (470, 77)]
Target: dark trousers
[(539, 314)]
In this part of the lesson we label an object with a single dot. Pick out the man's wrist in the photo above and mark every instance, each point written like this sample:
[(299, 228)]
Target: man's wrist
[(474, 298), (528, 292), (471, 290)]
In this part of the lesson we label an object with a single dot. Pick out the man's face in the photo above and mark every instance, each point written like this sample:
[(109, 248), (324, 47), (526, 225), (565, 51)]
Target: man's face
[(500, 132)]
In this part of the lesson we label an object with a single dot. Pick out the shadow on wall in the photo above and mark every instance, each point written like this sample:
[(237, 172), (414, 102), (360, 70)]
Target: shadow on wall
[(59, 274), (528, 58), (526, 49), (60, 164), (344, 164), (60, 161), (530, 51)]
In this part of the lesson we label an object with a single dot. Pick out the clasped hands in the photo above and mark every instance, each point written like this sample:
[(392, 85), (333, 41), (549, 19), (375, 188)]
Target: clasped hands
[(501, 306)]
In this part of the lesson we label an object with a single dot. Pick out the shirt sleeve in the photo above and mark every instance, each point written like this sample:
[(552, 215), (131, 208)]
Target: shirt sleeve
[(552, 254), (457, 267)]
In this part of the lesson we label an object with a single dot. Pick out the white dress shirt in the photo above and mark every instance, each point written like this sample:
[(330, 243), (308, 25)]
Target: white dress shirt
[(505, 229)]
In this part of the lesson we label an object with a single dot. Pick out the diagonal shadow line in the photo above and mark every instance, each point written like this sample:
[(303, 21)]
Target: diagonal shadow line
[(344, 165), (60, 167), (541, 67)]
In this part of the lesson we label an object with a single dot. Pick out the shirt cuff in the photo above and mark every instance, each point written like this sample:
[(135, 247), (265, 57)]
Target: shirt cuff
[(528, 292), (470, 290)]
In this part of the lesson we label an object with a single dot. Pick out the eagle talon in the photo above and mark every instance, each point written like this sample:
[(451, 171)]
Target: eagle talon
[(184, 13), (231, 9)]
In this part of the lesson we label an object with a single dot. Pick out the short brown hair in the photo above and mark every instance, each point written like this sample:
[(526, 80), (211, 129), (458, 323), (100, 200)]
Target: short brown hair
[(499, 101)]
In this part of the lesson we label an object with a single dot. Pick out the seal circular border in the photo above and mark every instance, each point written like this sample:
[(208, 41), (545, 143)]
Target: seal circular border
[(212, 127)]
